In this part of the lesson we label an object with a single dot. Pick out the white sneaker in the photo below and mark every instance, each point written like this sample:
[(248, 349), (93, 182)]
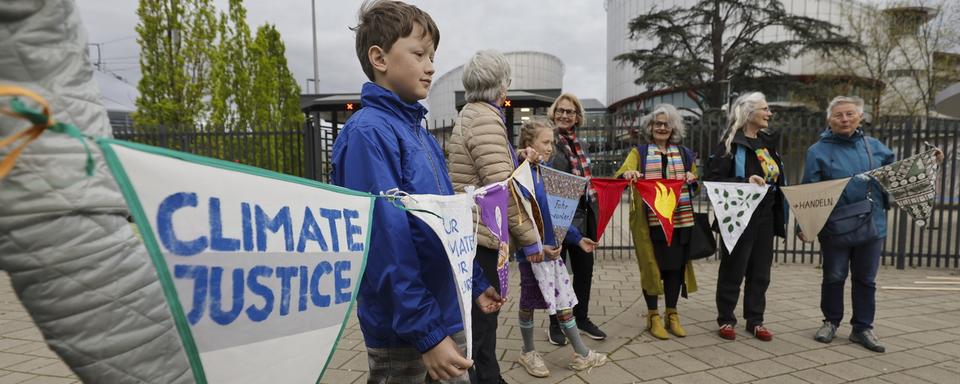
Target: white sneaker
[(592, 360), (533, 363)]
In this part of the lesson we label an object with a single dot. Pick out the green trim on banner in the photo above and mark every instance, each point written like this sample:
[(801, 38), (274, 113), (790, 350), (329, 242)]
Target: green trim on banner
[(230, 166), (353, 299), (156, 255), (150, 242)]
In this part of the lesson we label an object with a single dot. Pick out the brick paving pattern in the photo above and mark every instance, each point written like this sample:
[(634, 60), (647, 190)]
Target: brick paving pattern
[(918, 327)]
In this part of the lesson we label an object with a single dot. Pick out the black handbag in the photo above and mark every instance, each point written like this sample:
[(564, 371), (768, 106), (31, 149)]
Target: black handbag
[(702, 244), (852, 224)]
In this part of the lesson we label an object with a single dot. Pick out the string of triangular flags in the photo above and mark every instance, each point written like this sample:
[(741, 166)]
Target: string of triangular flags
[(911, 184)]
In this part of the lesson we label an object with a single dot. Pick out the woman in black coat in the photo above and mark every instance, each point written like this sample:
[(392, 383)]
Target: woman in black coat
[(749, 263)]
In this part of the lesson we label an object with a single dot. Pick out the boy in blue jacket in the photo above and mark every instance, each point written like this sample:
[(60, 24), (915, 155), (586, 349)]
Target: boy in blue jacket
[(407, 303)]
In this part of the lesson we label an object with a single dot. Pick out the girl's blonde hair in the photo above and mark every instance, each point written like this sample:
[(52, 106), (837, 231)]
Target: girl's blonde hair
[(532, 127)]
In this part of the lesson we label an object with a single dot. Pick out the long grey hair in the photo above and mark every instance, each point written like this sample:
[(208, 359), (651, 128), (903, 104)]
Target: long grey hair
[(741, 111)]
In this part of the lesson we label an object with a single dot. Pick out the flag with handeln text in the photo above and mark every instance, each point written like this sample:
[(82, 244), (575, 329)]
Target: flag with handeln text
[(812, 203), (260, 270)]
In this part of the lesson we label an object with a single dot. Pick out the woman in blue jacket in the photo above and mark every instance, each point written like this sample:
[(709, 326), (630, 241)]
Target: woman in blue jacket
[(844, 151)]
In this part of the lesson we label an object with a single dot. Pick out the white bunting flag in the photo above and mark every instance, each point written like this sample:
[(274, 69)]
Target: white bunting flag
[(259, 269), (451, 217), (812, 203), (733, 205)]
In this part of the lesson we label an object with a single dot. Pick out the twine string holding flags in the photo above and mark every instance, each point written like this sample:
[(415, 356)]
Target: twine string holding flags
[(41, 121)]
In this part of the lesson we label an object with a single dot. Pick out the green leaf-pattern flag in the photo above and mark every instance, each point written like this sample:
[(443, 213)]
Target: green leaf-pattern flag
[(733, 205)]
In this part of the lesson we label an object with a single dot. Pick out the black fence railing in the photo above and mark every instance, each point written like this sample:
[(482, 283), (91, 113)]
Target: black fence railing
[(305, 151)]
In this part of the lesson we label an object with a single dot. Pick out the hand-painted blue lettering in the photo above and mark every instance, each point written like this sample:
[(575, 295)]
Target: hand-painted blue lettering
[(260, 314), (247, 220), (340, 282), (304, 279), (284, 274), (199, 275), (216, 310), (318, 299), (217, 241), (451, 226), (332, 215), (310, 230), (168, 238), (352, 230), (264, 223)]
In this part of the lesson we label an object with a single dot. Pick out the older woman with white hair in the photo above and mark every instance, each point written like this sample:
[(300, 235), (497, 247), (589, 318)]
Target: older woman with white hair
[(480, 154), (660, 156), (747, 152)]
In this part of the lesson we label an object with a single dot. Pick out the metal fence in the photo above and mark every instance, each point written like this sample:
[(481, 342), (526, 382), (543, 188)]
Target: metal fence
[(305, 151), (907, 245), (288, 150)]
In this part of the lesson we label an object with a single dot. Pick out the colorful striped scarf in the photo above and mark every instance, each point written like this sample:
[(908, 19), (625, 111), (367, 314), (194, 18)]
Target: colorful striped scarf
[(683, 215), (579, 165)]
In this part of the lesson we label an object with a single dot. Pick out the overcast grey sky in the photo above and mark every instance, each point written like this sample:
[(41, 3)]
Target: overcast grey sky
[(574, 31)]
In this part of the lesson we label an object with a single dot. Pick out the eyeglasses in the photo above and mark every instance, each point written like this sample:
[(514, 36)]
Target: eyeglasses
[(660, 124), (564, 111), (840, 115)]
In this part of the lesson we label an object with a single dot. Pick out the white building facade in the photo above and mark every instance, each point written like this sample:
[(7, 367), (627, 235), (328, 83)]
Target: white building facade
[(530, 71)]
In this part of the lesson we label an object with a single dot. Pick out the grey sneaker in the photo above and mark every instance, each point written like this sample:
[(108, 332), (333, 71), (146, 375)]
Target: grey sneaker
[(592, 360), (826, 333), (868, 340)]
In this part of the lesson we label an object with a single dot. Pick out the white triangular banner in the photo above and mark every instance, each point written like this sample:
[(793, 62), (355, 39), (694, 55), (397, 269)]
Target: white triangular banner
[(733, 205), (555, 285), (455, 228), (523, 176), (812, 203)]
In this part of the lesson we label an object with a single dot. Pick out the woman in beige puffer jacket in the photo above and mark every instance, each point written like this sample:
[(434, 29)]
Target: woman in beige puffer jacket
[(480, 154)]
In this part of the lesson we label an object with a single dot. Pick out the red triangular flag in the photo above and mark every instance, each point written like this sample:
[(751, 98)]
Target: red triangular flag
[(609, 192), (662, 196)]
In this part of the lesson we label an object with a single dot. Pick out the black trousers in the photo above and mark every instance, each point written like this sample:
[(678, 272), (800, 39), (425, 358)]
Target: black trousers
[(581, 263), (486, 369), (749, 263)]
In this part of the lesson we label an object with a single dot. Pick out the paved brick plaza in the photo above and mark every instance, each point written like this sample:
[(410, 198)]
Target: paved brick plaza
[(919, 329)]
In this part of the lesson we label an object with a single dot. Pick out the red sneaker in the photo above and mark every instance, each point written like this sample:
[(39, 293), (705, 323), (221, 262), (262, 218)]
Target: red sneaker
[(761, 333), (727, 332)]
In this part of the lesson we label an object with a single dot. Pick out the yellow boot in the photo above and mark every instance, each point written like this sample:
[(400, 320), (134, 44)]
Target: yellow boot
[(655, 325), (673, 323)]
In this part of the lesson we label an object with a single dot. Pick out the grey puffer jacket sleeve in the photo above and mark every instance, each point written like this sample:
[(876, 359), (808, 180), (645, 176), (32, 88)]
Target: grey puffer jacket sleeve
[(73, 259)]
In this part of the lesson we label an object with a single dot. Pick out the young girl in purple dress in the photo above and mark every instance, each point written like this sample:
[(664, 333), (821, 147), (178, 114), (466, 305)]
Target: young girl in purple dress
[(544, 282)]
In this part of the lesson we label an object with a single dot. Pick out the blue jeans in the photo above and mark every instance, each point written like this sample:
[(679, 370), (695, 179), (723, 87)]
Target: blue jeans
[(863, 260)]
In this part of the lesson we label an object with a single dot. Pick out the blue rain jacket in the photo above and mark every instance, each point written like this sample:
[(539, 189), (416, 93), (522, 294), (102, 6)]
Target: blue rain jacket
[(836, 156), (407, 295)]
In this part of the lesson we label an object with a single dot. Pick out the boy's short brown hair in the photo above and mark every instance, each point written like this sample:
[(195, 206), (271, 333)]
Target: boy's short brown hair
[(383, 22)]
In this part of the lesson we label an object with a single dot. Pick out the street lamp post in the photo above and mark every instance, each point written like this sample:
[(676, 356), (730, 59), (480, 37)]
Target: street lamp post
[(316, 65)]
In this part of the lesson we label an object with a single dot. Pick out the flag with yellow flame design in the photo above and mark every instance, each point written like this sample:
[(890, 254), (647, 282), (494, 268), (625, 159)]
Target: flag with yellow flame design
[(662, 197)]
